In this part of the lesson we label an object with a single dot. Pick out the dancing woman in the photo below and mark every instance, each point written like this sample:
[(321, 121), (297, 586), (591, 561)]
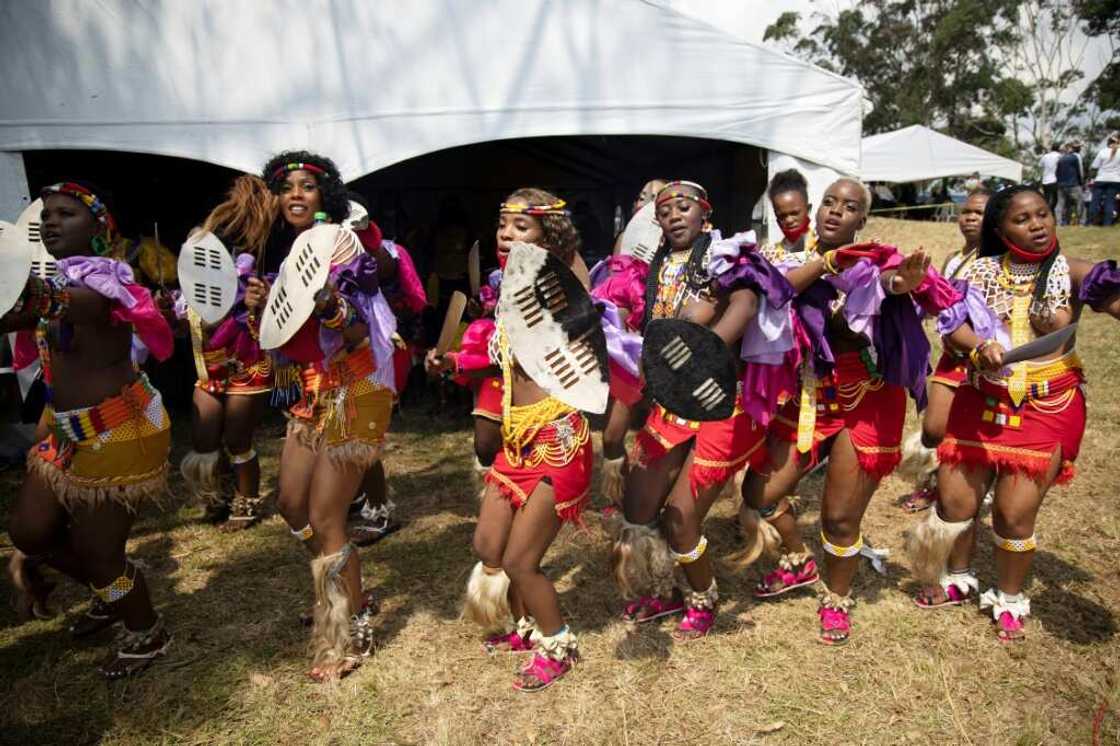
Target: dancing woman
[(857, 341), (107, 436), (233, 373), (679, 467), (1020, 425), (334, 378)]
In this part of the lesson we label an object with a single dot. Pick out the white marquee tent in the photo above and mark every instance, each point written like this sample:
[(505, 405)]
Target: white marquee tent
[(917, 153), (373, 84)]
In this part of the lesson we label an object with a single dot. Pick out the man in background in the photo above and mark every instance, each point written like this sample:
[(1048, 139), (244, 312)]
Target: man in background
[(1049, 165), (1070, 177)]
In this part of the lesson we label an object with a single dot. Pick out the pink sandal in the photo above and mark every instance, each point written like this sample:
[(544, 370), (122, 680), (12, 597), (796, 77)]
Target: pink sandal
[(1008, 612), (920, 499), (794, 571), (508, 642), (835, 617), (555, 656), (648, 608), (956, 589), (700, 616)]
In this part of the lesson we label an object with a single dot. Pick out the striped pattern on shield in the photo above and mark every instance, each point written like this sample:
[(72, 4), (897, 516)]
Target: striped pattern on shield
[(554, 329), (303, 273), (207, 276), (689, 370)]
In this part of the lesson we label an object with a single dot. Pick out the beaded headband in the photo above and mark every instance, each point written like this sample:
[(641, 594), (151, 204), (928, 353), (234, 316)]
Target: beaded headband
[(289, 167), (519, 208), (669, 191), (87, 198)]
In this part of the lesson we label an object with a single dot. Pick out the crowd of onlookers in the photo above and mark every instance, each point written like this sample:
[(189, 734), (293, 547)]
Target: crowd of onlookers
[(1081, 195)]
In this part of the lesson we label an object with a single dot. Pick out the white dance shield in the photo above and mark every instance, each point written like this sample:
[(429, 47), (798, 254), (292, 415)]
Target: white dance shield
[(554, 329), (302, 274), (15, 264), (208, 276), (642, 235)]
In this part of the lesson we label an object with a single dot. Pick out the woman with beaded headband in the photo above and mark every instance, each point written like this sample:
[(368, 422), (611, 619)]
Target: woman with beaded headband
[(233, 373), (104, 435), (334, 379), (678, 467), (531, 489), (1020, 425), (850, 347), (919, 451)]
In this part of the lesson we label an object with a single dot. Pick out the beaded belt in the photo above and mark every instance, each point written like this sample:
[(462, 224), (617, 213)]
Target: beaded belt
[(1043, 380), (78, 425), (555, 443)]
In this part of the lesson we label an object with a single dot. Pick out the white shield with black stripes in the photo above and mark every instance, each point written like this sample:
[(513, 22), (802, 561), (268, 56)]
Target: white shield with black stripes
[(15, 264), (554, 329), (207, 276), (358, 219), (688, 370), (642, 235), (43, 264), (302, 274)]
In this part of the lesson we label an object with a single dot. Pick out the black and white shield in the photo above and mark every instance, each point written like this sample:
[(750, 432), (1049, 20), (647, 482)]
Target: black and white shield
[(688, 370), (554, 329), (207, 276), (642, 235), (15, 264), (303, 273)]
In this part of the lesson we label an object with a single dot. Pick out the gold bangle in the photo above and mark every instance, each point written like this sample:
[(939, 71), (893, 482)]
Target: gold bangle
[(829, 259)]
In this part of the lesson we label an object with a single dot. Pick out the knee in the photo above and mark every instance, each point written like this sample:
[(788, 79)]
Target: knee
[(841, 527), (932, 434), (518, 566), (33, 537), (1013, 524), (487, 549)]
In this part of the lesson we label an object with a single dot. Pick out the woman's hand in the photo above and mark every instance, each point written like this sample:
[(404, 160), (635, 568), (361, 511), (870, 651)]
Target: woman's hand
[(256, 293), (909, 275), (987, 356), (436, 365)]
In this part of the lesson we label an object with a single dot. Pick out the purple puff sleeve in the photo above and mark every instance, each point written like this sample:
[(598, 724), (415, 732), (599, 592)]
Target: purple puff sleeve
[(624, 348), (970, 309), (1101, 285), (901, 346), (356, 280)]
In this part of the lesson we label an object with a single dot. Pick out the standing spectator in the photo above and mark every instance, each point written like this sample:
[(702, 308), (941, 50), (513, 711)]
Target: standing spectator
[(1070, 178), (1049, 165), (1107, 183)]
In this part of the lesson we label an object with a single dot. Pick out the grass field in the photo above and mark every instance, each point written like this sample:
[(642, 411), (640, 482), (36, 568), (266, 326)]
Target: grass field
[(236, 671)]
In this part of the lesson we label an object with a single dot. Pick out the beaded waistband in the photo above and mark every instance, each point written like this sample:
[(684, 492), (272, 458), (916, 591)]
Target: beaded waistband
[(77, 425)]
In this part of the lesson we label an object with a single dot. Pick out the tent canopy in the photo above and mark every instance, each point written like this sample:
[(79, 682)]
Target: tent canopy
[(233, 83), (917, 153)]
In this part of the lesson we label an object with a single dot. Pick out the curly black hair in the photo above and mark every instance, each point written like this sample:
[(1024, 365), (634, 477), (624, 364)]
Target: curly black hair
[(560, 235), (991, 240), (790, 180), (336, 202)]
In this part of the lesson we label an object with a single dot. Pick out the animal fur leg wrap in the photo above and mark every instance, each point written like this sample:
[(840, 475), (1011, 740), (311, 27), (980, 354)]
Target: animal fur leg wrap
[(487, 600), (930, 543), (330, 631), (613, 480), (759, 535), (200, 472), (642, 561)]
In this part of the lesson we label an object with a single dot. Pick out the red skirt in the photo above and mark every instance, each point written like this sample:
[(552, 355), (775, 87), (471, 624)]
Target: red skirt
[(951, 370), (570, 479), (721, 448), (870, 409), (985, 430)]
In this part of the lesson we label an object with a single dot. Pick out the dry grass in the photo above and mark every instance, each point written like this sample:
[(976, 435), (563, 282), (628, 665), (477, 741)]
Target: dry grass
[(909, 676)]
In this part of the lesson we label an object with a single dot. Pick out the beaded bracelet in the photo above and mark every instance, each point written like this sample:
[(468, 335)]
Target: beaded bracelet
[(975, 352)]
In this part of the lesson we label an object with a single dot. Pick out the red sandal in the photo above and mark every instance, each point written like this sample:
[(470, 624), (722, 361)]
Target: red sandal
[(794, 571), (835, 617)]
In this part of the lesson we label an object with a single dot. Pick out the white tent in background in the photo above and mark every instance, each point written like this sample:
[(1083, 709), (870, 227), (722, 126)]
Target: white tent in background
[(917, 153), (233, 83)]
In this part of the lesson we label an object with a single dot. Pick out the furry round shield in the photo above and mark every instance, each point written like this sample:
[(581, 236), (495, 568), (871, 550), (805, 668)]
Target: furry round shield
[(688, 370), (303, 273), (359, 217), (553, 328), (207, 276), (642, 235), (15, 264)]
